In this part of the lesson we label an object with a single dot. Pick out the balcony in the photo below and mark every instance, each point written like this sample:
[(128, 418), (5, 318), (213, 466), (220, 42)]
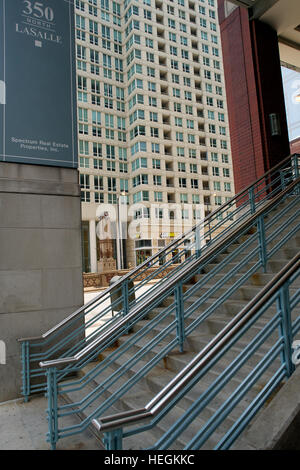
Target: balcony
[(166, 120), (160, 33), (171, 198), (161, 47), (159, 19), (159, 5)]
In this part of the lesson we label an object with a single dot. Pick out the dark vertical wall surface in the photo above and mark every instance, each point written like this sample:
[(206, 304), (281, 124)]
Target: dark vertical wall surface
[(254, 90)]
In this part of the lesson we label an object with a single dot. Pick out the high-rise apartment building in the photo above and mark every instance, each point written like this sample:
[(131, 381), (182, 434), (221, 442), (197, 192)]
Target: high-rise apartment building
[(152, 118)]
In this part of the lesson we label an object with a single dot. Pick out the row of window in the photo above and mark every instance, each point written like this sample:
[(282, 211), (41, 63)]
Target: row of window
[(160, 213), (99, 183), (111, 152), (111, 165)]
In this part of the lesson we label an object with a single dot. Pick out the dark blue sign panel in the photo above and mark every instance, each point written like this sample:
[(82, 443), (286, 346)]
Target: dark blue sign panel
[(38, 82)]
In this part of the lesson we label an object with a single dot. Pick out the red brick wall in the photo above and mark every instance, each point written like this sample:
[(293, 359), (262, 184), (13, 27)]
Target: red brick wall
[(253, 85), (244, 123), (295, 146)]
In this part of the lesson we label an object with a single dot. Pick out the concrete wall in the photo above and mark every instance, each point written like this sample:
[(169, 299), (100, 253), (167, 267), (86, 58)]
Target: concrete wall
[(40, 257)]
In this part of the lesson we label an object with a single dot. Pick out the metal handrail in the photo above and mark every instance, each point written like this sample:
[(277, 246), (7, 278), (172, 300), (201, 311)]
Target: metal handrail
[(164, 286), (182, 379), (138, 268)]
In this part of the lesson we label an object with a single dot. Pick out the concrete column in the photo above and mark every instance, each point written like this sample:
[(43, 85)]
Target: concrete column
[(93, 246), (40, 258)]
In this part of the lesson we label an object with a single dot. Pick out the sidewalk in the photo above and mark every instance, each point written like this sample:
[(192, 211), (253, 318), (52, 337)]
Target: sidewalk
[(23, 426)]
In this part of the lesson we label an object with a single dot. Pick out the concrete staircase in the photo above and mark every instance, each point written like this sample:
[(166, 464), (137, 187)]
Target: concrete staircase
[(167, 368)]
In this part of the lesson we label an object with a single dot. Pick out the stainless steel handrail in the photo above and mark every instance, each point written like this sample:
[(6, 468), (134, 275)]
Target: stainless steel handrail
[(164, 286), (175, 386), (151, 258)]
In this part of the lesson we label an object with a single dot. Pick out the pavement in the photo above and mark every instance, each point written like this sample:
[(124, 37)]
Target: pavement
[(23, 426)]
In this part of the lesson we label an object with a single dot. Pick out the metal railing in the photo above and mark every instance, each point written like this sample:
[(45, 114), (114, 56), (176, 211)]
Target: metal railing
[(277, 291), (74, 333), (255, 241)]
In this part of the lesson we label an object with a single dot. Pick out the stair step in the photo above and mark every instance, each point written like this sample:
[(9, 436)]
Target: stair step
[(99, 377)]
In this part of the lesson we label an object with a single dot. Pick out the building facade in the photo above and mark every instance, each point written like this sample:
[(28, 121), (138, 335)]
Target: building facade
[(152, 122)]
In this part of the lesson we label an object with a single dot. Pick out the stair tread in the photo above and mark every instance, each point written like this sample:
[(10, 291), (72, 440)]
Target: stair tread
[(102, 373)]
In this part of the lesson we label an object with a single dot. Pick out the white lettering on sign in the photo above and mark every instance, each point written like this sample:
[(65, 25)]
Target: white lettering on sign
[(2, 92), (38, 10), (45, 35), (37, 21)]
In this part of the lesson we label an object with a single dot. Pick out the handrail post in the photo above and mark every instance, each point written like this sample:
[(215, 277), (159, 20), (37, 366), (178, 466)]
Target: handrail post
[(113, 440), (178, 293), (283, 305), (295, 170), (125, 297), (262, 242), (26, 370), (197, 242), (52, 411), (252, 199), (282, 180)]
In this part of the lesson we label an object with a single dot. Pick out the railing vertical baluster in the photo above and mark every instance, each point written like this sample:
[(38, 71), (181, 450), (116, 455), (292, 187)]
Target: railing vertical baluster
[(284, 307), (178, 293), (295, 165), (197, 242), (113, 439), (252, 199), (295, 170), (282, 180), (52, 407), (26, 370), (262, 242), (125, 297)]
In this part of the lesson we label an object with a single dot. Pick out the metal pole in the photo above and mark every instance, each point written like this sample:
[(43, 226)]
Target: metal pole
[(119, 263)]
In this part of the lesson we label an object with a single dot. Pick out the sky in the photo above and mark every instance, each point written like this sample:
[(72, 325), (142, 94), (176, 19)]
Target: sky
[(291, 85)]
